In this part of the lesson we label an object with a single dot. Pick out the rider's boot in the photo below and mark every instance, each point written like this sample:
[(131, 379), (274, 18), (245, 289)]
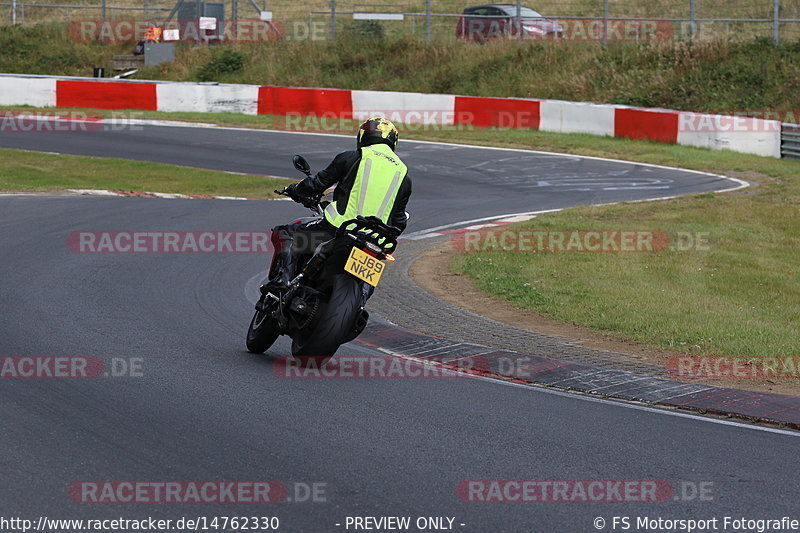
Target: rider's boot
[(284, 265)]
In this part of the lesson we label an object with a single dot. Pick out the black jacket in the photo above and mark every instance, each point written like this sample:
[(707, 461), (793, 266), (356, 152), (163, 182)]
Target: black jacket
[(342, 171)]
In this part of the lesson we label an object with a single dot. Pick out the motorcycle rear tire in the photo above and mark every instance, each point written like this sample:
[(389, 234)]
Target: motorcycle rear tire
[(333, 325)]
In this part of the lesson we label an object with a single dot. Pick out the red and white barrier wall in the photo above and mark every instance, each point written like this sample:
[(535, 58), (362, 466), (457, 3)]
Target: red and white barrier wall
[(740, 134)]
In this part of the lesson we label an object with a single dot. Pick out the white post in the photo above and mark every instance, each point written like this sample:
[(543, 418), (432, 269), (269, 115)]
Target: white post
[(13, 12)]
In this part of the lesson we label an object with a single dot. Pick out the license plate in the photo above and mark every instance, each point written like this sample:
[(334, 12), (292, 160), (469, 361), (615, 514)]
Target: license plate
[(364, 266)]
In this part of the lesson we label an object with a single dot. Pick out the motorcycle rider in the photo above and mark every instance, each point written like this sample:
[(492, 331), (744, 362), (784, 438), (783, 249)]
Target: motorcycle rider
[(370, 181)]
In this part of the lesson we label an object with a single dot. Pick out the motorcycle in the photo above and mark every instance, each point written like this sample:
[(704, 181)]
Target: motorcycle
[(323, 307)]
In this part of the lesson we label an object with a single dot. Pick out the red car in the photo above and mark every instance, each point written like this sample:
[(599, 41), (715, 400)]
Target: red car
[(499, 21)]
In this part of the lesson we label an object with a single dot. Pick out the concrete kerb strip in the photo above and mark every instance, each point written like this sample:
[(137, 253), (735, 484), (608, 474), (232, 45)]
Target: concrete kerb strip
[(162, 195), (570, 376)]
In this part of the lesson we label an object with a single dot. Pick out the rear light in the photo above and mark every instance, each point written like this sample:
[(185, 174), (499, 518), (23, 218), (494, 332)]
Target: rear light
[(373, 248), (376, 255)]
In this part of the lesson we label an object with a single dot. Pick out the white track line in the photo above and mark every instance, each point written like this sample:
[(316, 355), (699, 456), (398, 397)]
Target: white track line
[(520, 217), (432, 232), (662, 410)]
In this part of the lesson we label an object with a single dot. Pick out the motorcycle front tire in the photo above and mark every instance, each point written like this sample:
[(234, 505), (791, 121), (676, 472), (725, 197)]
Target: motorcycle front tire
[(262, 333)]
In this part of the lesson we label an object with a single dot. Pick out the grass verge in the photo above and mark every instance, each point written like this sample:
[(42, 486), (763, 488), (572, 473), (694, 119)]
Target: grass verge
[(34, 171), (739, 295), (734, 290)]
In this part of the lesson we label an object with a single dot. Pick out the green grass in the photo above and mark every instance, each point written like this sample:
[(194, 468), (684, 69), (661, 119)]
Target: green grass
[(33, 171), (738, 296), (47, 49)]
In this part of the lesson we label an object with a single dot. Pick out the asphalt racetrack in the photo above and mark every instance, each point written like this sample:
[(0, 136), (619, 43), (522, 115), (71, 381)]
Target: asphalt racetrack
[(200, 408)]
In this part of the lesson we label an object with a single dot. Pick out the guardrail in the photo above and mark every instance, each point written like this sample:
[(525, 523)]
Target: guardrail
[(790, 141)]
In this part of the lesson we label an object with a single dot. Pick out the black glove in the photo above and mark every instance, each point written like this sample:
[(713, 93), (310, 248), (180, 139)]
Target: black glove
[(290, 190), (307, 201)]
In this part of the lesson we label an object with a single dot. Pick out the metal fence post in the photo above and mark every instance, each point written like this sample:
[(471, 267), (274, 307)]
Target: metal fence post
[(333, 20), (235, 19), (605, 21), (776, 22), (13, 12), (428, 20), (104, 10), (692, 18)]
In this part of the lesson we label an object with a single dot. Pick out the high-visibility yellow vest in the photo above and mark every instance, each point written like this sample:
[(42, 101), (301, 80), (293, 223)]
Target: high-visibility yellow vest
[(380, 174)]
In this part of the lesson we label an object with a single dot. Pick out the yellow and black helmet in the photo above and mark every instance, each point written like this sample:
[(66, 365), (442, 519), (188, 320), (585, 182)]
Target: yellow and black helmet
[(377, 130)]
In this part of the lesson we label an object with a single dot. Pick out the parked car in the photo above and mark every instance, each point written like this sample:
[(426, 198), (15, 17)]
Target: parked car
[(499, 21)]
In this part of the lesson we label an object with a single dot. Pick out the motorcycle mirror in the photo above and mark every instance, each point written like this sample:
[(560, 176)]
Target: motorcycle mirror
[(301, 164)]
